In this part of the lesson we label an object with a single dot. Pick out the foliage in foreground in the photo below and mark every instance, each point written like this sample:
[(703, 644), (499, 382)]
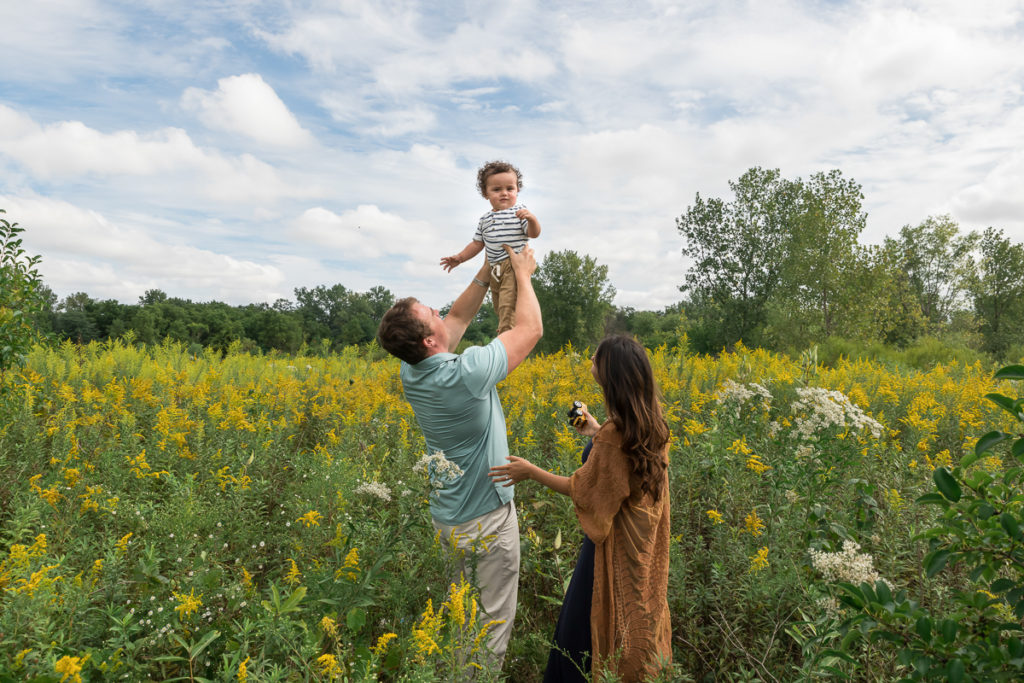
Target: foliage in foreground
[(979, 636), (171, 516)]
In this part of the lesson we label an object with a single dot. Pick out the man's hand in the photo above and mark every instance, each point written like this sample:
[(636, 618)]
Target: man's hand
[(449, 262), (524, 261)]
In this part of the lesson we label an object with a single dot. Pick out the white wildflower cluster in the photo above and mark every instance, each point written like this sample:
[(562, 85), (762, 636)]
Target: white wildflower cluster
[(739, 394), (829, 409), (849, 565), (375, 489), (440, 470)]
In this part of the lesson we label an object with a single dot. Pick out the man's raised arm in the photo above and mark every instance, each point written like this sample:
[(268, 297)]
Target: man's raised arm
[(529, 327), (466, 306)]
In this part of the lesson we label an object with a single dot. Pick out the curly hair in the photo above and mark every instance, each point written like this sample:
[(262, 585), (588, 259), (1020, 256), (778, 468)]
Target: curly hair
[(634, 406), (494, 168), (401, 333)]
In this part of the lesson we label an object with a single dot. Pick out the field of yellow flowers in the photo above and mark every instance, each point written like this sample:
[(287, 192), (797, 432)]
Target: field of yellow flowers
[(165, 516)]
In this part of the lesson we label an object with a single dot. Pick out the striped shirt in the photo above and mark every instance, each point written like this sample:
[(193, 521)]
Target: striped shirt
[(501, 227)]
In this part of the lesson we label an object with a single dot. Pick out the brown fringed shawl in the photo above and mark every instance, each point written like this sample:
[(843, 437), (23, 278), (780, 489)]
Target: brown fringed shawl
[(629, 619)]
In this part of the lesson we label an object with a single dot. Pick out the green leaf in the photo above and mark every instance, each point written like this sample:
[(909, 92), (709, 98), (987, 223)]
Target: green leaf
[(1018, 449), (924, 628), (931, 498), (1002, 585), (948, 630), (291, 604), (1010, 525), (970, 458), (1010, 372), (198, 648), (955, 671), (356, 619), (946, 484), (1006, 403), (935, 561), (987, 441)]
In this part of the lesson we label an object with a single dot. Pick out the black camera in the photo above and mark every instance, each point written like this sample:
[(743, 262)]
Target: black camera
[(576, 416)]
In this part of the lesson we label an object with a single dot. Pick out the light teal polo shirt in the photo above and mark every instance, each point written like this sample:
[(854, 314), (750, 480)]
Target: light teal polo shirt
[(459, 412)]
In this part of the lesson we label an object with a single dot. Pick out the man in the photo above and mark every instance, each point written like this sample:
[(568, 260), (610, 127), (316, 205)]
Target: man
[(458, 410)]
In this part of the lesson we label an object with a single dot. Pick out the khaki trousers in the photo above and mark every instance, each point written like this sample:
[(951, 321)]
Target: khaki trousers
[(497, 569), (503, 294)]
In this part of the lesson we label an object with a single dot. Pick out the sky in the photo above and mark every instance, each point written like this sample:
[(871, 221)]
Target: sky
[(235, 150)]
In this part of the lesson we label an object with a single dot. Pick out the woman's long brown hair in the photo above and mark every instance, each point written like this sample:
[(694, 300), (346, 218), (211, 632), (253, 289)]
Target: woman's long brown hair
[(631, 398)]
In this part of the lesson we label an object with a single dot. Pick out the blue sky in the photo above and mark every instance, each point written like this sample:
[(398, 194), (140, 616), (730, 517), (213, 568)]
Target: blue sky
[(234, 150)]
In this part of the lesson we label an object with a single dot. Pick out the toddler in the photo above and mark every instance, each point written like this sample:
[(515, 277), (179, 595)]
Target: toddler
[(508, 222)]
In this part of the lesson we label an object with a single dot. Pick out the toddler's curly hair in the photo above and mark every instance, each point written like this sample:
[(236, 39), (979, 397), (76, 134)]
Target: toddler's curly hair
[(494, 168)]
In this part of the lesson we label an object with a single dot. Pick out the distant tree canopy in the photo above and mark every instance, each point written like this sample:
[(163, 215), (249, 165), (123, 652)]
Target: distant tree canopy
[(575, 298), (780, 265)]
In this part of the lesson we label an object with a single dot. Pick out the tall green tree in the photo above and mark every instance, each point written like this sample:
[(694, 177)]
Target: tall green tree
[(939, 263), (575, 295), (22, 300), (738, 249), (822, 252), (997, 290)]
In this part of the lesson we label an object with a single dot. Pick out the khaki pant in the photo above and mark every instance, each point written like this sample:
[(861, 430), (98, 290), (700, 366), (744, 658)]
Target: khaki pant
[(503, 294), (497, 569)]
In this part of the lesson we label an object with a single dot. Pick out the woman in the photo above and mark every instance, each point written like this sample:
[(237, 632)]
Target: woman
[(620, 584)]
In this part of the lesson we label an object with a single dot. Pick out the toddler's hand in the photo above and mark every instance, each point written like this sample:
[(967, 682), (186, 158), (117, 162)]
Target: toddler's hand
[(449, 262), (525, 215)]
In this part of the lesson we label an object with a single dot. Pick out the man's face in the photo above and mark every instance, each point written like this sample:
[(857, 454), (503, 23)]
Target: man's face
[(435, 322), (501, 190)]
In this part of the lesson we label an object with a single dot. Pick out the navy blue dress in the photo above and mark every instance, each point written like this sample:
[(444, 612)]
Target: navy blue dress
[(569, 658)]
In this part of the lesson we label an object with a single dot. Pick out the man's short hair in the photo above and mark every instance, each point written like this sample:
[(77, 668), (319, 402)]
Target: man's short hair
[(401, 332)]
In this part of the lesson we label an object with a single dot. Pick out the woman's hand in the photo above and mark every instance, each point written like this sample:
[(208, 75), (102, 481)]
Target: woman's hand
[(590, 424), (514, 472)]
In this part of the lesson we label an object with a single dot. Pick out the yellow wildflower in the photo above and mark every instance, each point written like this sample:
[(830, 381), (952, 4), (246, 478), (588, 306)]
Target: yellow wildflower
[(740, 447), (715, 516), (759, 561), (481, 637), (243, 671), (349, 570), (329, 665), (188, 604), (755, 463), (754, 524), (329, 626), (382, 644), (70, 668), (293, 576), (122, 544), (310, 518), (19, 659)]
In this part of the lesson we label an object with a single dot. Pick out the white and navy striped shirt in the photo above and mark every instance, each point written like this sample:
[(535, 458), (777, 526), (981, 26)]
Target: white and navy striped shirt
[(501, 227)]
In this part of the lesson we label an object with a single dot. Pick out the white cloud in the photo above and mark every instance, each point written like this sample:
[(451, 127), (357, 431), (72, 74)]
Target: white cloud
[(363, 233), (83, 251), (70, 149), (247, 105), (996, 200), (360, 115)]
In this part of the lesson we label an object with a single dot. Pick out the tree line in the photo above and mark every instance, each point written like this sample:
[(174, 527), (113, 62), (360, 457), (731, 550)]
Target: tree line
[(573, 289), (777, 265)]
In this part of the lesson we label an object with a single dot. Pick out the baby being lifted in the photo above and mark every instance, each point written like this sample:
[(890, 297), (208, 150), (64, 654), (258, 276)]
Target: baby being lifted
[(508, 222)]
